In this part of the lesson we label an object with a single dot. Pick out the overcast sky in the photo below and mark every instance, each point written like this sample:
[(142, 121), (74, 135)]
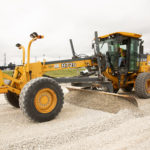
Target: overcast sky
[(60, 20)]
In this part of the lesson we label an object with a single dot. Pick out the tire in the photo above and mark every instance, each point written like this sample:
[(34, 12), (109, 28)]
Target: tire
[(41, 99), (141, 88), (12, 99), (128, 88)]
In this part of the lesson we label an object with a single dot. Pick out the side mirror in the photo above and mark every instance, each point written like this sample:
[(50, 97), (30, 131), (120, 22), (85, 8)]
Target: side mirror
[(141, 47)]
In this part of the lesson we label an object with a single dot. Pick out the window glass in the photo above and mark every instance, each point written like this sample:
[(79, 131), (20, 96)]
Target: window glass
[(103, 47), (134, 55), (113, 53)]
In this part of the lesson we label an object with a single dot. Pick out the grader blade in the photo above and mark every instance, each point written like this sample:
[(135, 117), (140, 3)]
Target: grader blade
[(108, 102)]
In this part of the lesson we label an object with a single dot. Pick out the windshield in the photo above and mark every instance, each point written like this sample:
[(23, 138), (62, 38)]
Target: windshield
[(109, 46), (103, 47), (118, 49)]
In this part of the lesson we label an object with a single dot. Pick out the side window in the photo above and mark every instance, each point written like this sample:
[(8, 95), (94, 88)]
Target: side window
[(134, 55)]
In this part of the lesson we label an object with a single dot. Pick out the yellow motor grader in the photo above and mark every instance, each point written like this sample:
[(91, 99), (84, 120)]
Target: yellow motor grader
[(40, 97)]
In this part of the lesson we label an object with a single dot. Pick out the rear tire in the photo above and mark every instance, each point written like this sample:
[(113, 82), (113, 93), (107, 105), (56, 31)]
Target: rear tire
[(12, 99), (41, 99), (142, 85)]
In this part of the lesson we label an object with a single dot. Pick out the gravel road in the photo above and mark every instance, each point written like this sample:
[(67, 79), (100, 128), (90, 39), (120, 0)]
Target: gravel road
[(76, 128)]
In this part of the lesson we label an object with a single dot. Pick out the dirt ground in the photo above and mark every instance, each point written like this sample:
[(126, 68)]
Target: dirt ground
[(77, 128)]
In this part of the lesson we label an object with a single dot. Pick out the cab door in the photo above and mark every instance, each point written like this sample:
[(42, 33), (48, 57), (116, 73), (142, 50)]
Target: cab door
[(113, 54), (134, 55)]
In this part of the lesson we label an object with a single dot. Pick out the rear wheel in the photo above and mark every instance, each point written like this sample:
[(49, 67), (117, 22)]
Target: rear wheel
[(142, 85), (41, 99)]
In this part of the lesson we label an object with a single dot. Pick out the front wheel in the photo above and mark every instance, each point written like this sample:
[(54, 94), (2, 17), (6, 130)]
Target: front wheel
[(41, 99), (12, 99)]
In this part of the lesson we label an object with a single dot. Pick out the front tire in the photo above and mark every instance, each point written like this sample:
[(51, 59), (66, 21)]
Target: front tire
[(41, 99), (12, 99)]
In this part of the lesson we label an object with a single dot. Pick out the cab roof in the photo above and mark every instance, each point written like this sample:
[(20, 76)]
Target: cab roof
[(134, 35)]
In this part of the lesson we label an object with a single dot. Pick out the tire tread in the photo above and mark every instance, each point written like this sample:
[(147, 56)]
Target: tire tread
[(140, 85), (26, 92)]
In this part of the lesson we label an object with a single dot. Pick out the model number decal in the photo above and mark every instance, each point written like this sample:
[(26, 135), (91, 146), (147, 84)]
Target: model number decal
[(56, 66), (68, 65)]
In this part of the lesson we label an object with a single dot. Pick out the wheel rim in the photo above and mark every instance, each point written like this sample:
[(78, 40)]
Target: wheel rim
[(45, 100), (148, 86)]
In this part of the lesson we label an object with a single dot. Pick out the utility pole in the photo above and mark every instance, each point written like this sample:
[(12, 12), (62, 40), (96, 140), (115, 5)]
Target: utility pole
[(4, 59)]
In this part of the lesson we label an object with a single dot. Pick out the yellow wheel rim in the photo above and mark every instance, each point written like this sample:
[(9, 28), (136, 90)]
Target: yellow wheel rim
[(148, 86), (45, 100)]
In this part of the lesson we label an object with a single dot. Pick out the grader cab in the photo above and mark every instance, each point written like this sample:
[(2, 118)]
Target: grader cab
[(130, 69), (132, 48)]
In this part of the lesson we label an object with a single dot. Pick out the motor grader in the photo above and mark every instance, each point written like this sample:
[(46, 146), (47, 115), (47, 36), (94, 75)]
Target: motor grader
[(40, 97)]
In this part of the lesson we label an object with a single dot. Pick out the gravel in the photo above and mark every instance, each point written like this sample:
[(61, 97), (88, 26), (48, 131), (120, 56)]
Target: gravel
[(77, 127)]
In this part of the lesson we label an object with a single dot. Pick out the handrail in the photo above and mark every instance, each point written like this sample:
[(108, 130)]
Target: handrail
[(34, 36), (23, 52)]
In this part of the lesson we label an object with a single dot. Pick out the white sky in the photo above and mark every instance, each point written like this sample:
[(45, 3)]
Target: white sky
[(60, 20)]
